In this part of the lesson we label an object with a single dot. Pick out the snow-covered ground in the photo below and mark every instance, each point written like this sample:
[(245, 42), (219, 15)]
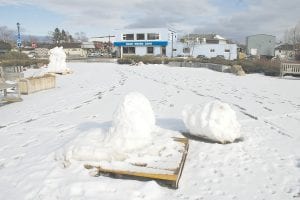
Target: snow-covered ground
[(264, 165)]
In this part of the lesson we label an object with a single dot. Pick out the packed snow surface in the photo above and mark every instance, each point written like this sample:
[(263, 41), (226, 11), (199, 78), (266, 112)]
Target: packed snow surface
[(57, 60), (133, 123), (78, 113), (214, 120)]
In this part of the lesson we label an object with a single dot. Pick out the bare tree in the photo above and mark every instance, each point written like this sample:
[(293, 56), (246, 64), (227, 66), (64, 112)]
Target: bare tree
[(6, 34), (292, 35), (81, 37)]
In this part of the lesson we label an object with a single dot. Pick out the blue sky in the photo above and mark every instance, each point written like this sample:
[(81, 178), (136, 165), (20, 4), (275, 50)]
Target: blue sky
[(33, 19), (234, 19)]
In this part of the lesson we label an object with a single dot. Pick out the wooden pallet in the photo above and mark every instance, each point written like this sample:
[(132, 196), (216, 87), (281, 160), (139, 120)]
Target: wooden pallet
[(169, 176)]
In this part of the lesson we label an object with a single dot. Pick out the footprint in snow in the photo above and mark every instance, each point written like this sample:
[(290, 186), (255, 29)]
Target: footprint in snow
[(29, 142)]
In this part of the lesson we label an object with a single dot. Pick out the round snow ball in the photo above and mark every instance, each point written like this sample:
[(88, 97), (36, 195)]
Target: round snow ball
[(216, 121), (133, 122)]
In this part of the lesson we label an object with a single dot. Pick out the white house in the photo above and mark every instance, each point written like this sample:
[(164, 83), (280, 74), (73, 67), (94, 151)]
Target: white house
[(285, 51), (146, 41), (208, 46)]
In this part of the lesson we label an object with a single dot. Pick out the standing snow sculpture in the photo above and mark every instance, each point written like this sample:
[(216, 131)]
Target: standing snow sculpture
[(133, 122), (216, 121), (57, 62)]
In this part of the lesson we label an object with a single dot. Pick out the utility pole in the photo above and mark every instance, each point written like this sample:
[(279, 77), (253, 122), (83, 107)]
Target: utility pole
[(172, 34), (19, 43), (172, 41)]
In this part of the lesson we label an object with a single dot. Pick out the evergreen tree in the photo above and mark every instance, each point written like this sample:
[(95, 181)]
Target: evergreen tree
[(64, 36), (56, 36)]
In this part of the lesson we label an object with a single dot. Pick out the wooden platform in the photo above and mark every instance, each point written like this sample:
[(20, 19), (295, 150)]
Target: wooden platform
[(166, 170)]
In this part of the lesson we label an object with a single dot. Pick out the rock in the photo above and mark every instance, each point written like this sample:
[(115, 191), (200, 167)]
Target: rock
[(140, 63), (237, 70)]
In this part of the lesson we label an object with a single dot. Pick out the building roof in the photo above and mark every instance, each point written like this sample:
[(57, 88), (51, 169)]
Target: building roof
[(64, 45), (261, 34), (88, 45), (287, 47), (209, 38)]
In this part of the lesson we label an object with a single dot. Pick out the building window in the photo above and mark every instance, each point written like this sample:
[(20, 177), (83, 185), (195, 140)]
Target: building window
[(227, 50), (212, 50), (186, 50), (152, 36), (150, 50), (128, 50), (128, 36), (140, 36)]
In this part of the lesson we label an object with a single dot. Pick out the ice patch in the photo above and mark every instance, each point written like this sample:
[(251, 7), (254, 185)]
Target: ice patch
[(216, 121)]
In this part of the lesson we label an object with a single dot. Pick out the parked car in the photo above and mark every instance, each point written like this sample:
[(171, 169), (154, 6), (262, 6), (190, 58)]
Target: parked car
[(220, 56), (32, 55), (201, 56)]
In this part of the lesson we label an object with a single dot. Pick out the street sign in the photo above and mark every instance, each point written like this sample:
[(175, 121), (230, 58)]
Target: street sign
[(19, 45)]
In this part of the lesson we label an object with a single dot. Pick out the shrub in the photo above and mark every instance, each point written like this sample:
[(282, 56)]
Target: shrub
[(12, 55), (125, 61), (268, 67), (20, 59), (24, 62), (144, 59), (250, 66), (5, 45)]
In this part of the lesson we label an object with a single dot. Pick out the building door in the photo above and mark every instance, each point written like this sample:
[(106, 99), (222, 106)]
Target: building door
[(163, 51)]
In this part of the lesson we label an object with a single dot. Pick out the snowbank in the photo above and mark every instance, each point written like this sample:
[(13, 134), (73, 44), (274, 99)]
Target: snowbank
[(216, 121), (133, 123), (57, 62)]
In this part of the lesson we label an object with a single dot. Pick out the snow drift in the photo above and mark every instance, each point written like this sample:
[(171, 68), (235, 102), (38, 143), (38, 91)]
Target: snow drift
[(216, 121)]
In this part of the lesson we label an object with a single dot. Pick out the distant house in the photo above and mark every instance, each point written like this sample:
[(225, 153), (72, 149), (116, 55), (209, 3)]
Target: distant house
[(285, 51), (73, 50), (207, 45), (261, 45), (104, 44), (88, 47)]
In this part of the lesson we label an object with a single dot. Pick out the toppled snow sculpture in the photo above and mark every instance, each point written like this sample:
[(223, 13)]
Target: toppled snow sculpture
[(57, 62), (216, 121), (132, 138), (133, 122)]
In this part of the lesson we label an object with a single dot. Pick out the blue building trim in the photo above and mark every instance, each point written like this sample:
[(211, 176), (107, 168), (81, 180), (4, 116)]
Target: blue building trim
[(146, 43)]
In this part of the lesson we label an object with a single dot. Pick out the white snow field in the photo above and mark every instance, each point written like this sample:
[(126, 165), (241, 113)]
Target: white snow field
[(265, 164)]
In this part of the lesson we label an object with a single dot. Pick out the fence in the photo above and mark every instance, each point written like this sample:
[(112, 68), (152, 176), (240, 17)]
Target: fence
[(289, 68)]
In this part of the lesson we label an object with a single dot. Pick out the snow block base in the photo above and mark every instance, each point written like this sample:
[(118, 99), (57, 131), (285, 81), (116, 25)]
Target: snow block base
[(153, 170), (30, 85)]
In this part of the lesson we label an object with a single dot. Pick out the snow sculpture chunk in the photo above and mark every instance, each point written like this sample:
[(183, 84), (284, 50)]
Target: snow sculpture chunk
[(216, 121), (57, 62), (133, 122)]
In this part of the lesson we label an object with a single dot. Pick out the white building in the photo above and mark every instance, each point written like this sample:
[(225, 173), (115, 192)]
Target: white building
[(208, 46), (146, 41), (285, 51), (108, 38)]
